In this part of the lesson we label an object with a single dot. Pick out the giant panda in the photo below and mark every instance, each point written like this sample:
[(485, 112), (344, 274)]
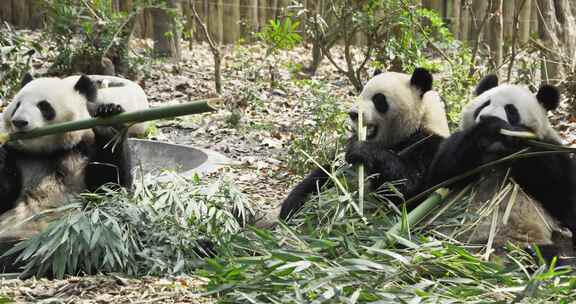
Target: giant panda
[(43, 173), (402, 114), (533, 199), (123, 92)]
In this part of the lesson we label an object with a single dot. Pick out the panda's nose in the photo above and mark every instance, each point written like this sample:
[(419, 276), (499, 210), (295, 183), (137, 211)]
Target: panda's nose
[(353, 115), (19, 123)]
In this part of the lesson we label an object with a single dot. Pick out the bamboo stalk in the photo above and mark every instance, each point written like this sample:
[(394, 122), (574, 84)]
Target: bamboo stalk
[(422, 210), (194, 107), (361, 138)]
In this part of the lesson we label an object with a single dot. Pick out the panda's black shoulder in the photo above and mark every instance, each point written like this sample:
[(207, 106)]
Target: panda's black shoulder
[(421, 142)]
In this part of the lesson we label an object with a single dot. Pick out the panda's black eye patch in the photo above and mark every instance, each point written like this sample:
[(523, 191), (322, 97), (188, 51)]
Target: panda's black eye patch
[(380, 103), (480, 108), (15, 109), (512, 114), (47, 110)]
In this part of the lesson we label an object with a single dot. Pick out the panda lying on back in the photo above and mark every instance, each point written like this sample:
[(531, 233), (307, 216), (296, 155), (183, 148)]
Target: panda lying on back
[(42, 173), (548, 180), (405, 124)]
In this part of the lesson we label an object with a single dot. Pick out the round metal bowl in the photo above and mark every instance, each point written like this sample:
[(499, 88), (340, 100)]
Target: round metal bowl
[(154, 157)]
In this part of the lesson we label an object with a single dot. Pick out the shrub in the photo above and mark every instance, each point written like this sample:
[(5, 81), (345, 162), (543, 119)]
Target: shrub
[(156, 230)]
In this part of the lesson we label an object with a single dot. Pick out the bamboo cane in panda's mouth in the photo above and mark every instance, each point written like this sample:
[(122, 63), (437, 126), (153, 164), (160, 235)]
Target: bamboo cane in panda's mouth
[(194, 107)]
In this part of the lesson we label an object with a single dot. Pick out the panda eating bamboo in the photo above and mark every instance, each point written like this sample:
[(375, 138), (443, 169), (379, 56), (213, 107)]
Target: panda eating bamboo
[(406, 123), (525, 201), (42, 173)]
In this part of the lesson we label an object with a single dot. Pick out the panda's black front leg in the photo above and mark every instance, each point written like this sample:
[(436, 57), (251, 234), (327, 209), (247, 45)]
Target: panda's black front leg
[(388, 166), (110, 156), (550, 179), (297, 197), (10, 180), (468, 149)]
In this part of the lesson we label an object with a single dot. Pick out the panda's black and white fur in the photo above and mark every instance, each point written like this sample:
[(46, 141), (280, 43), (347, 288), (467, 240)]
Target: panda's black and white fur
[(42, 173), (405, 123), (546, 199)]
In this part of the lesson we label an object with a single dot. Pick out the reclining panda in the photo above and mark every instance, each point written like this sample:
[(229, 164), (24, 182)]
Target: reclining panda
[(42, 173), (545, 202), (405, 123)]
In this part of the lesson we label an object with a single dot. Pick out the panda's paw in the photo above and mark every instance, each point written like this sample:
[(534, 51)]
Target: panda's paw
[(358, 157), (488, 132), (108, 109)]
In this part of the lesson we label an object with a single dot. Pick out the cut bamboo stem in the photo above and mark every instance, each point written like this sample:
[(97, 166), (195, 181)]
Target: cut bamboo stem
[(361, 138), (422, 210), (194, 107)]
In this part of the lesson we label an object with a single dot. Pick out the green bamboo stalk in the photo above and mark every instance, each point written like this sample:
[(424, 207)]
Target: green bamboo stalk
[(422, 210), (361, 138), (194, 107)]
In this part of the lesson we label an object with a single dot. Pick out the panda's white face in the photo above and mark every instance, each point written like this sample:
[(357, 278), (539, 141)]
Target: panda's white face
[(43, 102), (513, 104), (392, 108)]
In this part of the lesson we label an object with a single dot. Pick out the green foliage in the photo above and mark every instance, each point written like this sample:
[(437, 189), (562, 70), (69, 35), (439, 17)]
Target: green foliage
[(409, 32), (100, 32), (456, 83), (153, 231), (5, 300), (15, 55), (330, 254), (280, 35), (323, 133)]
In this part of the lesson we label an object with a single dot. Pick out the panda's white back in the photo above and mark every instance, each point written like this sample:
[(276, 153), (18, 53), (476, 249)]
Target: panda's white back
[(121, 91)]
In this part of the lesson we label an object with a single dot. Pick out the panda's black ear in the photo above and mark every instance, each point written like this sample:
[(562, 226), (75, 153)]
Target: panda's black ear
[(86, 87), (422, 79), (488, 82), (26, 79), (548, 96)]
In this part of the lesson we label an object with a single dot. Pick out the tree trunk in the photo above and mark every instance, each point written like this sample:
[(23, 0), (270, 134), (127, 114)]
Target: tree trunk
[(508, 19), (126, 5), (437, 5), (249, 15), (214, 20), (166, 35), (20, 13), (524, 20), (262, 13), (456, 13), (496, 36), (6, 10), (558, 34), (465, 22), (232, 21), (480, 9)]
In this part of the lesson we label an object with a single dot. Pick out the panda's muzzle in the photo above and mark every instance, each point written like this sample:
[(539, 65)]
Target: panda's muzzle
[(19, 124), (371, 130)]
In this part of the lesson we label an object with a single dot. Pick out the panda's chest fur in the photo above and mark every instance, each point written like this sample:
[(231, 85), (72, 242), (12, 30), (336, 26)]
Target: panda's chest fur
[(52, 178)]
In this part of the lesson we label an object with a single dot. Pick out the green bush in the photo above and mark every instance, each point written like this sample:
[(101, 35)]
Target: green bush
[(155, 230), (323, 134), (15, 56), (90, 36)]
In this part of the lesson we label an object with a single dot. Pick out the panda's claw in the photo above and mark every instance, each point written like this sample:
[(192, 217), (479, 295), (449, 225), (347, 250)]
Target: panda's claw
[(108, 109)]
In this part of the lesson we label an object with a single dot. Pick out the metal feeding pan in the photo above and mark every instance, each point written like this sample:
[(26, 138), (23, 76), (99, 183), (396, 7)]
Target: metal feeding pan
[(154, 157)]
